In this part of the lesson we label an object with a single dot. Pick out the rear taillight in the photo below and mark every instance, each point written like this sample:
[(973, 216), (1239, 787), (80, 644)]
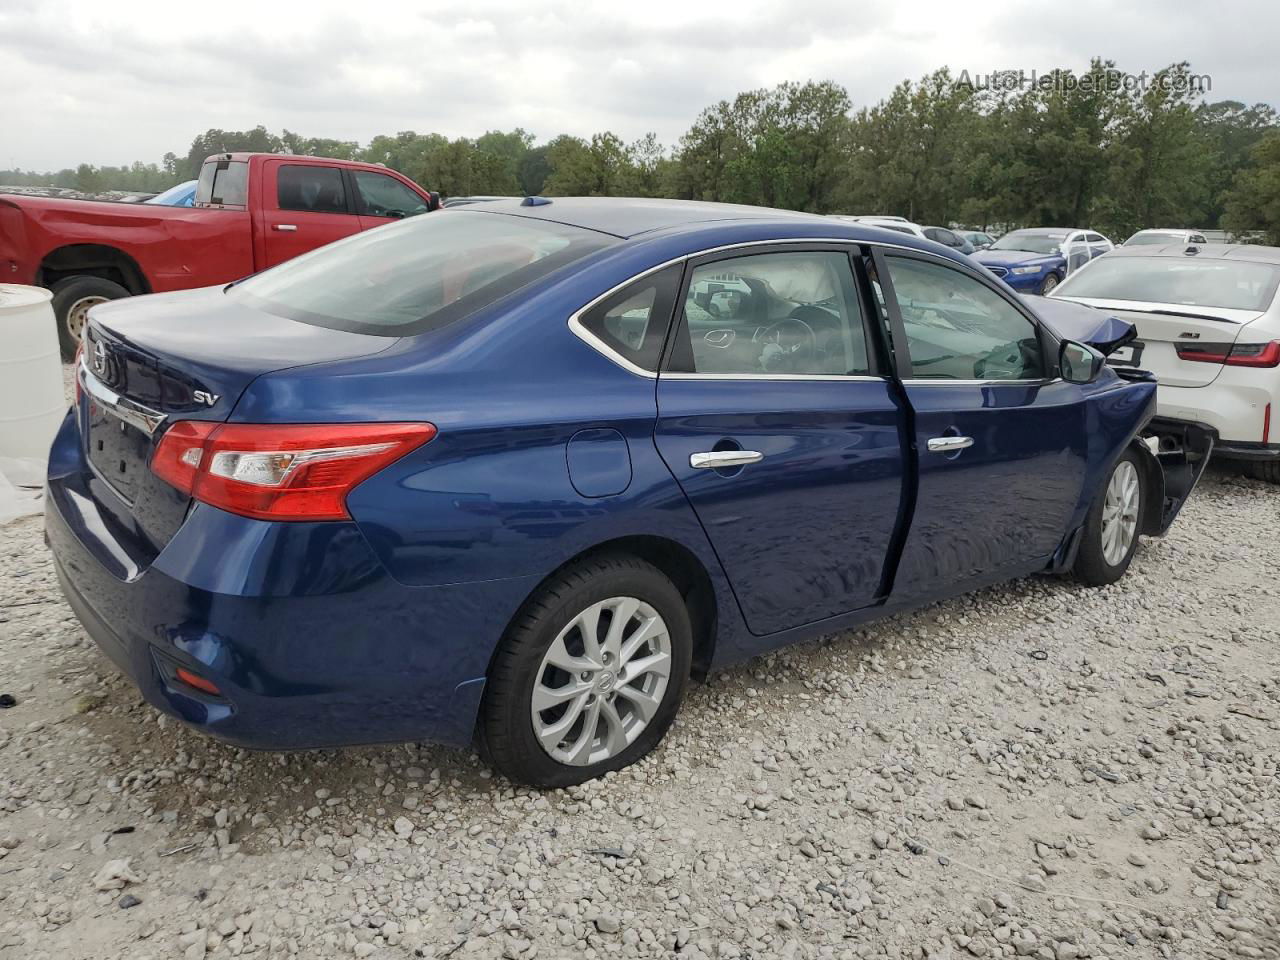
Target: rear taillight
[(281, 471), (1233, 355)]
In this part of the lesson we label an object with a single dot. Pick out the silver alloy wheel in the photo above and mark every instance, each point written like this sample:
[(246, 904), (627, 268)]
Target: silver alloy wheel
[(601, 681), (1050, 282), (1120, 512), (78, 315)]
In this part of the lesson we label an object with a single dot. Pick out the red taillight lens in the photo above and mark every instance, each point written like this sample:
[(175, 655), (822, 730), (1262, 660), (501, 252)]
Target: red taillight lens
[(281, 471), (1255, 355), (1233, 355), (197, 681)]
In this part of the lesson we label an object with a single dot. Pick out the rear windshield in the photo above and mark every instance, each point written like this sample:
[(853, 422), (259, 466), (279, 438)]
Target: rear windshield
[(1151, 239), (223, 182), (405, 278), (1233, 284)]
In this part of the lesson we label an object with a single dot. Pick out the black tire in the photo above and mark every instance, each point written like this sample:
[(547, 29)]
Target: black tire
[(1092, 567), (1048, 283), (505, 733), (1268, 470), (73, 291)]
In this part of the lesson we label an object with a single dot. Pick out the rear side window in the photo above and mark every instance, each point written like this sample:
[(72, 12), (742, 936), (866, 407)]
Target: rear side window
[(383, 196), (633, 322), (310, 189), (406, 278), (223, 182)]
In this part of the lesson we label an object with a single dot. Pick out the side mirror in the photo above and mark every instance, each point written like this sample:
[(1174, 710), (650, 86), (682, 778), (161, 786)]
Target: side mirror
[(1079, 362)]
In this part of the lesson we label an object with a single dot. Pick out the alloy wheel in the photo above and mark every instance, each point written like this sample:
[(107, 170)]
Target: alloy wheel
[(1120, 512), (601, 681)]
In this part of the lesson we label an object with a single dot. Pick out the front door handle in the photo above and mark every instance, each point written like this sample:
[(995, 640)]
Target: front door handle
[(284, 227), (949, 444), (720, 459)]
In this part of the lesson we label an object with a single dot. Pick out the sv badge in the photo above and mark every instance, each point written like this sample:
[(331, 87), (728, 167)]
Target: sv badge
[(208, 399)]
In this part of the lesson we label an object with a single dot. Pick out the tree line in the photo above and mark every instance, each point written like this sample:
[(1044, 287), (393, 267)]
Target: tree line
[(1097, 149)]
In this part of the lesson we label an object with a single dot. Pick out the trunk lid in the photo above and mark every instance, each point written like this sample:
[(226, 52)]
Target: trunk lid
[(151, 361), (1163, 327)]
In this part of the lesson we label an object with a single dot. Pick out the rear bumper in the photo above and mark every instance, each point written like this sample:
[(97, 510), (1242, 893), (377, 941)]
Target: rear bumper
[(1236, 411), (310, 641)]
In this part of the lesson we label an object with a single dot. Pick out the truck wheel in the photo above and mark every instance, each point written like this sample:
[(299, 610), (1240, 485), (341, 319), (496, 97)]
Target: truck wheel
[(72, 299), (589, 676), (1111, 526), (1268, 470)]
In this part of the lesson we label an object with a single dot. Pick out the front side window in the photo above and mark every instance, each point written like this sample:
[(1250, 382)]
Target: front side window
[(409, 277), (791, 313), (959, 329), (310, 189), (633, 322), (383, 196)]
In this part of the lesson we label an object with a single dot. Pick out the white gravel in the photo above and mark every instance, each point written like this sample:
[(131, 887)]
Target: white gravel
[(1036, 770)]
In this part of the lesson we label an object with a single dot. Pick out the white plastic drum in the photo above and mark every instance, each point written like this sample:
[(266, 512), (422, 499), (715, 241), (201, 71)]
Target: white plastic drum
[(32, 401)]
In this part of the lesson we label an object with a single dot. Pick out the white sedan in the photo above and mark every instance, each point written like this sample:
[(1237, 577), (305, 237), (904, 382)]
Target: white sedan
[(1208, 327)]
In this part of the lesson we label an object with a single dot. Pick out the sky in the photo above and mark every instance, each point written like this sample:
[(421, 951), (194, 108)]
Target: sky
[(83, 81)]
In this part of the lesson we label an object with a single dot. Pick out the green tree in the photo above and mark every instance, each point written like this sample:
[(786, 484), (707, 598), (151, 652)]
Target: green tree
[(1253, 202)]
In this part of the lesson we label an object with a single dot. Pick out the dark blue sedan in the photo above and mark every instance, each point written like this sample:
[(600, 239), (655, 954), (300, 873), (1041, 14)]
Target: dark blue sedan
[(1037, 260), (510, 474)]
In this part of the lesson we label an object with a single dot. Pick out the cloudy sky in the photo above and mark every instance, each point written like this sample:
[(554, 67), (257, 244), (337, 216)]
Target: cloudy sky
[(109, 83)]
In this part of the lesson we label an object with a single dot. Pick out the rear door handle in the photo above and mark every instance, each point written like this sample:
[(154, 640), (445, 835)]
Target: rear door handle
[(719, 459), (949, 444), (284, 227)]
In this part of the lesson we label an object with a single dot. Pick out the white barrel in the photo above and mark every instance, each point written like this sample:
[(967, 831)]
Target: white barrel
[(32, 397)]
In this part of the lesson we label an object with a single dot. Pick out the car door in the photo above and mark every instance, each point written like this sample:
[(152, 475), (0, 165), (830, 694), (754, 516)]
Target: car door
[(784, 431), (1098, 245), (381, 198), (304, 206), (1000, 443), (1074, 250)]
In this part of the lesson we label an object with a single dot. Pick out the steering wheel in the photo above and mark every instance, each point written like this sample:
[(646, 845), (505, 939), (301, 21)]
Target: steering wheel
[(795, 349)]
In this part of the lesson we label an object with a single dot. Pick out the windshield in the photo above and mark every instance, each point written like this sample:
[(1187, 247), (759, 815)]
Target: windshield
[(404, 278), (1030, 242), (1152, 239), (1232, 284), (180, 196)]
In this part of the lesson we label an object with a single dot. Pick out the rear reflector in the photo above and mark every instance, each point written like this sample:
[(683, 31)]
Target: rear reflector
[(1233, 355), (281, 471), (197, 681)]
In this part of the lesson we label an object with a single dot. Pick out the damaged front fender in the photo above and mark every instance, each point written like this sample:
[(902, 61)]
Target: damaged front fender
[(1174, 454)]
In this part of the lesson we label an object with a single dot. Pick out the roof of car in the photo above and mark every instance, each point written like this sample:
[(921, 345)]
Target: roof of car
[(1051, 231), (1221, 251), (628, 217)]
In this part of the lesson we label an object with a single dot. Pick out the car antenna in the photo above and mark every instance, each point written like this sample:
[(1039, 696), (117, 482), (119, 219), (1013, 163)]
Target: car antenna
[(534, 202)]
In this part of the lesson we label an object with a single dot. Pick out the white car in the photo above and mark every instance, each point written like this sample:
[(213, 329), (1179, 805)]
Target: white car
[(1208, 324), (886, 222), (1155, 237)]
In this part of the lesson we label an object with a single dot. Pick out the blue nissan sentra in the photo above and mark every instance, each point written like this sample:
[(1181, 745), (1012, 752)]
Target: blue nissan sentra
[(512, 473)]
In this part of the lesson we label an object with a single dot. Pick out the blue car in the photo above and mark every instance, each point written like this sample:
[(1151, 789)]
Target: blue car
[(1036, 261), (183, 195), (513, 473)]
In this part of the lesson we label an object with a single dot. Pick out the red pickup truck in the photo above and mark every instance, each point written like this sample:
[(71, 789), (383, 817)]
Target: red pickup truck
[(252, 211)]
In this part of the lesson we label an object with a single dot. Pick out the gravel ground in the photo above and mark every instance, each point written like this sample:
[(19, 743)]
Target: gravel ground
[(1035, 770)]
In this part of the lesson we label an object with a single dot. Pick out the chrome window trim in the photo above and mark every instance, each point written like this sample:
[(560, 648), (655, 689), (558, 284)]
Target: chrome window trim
[(775, 376), (938, 382)]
